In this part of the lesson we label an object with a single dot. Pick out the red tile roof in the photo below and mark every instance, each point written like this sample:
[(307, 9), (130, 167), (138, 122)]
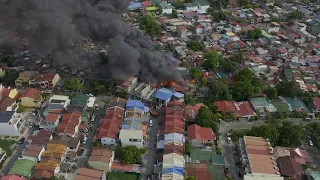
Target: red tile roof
[(41, 138), (196, 107), (199, 171), (225, 106), (110, 125), (5, 92), (282, 50), (69, 122), (32, 93), (245, 109), (200, 133), (52, 117), (316, 102), (122, 167), (12, 177)]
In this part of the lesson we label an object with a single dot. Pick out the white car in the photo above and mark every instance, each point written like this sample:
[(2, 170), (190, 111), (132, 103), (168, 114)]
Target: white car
[(150, 123)]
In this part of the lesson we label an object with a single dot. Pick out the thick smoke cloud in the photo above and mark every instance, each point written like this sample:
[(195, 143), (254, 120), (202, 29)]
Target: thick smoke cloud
[(54, 25)]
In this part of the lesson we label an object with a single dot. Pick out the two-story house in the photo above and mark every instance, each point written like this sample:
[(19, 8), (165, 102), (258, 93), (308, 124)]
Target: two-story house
[(31, 97), (11, 124), (45, 82), (101, 159), (23, 80)]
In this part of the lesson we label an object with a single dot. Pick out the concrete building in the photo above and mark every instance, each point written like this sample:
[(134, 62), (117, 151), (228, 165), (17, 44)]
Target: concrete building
[(11, 124), (131, 137), (101, 159)]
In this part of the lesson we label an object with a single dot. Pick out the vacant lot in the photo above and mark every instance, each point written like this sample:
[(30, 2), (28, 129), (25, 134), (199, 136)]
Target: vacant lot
[(6, 146), (122, 176)]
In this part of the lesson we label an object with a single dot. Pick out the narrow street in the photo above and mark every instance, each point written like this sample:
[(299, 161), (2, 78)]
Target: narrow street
[(228, 156), (149, 157)]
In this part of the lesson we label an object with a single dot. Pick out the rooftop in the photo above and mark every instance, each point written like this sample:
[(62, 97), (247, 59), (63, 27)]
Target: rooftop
[(200, 133), (101, 154), (88, 174), (31, 93), (68, 123), (22, 167), (12, 177)]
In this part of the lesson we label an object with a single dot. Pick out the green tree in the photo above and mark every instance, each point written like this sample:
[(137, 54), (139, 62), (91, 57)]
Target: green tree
[(217, 15), (195, 73), (218, 90), (130, 154), (188, 147), (268, 116), (254, 33), (190, 178), (189, 99), (290, 135), (294, 15), (10, 77), (174, 13), (278, 115), (218, 150), (271, 93), (212, 58), (245, 75), (242, 90), (194, 45), (287, 88), (206, 118), (266, 131), (227, 65), (73, 84), (149, 26), (203, 82), (237, 57)]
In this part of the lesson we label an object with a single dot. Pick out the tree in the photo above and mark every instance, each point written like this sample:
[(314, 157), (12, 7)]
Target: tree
[(268, 116), (188, 147), (73, 84), (244, 2), (203, 82), (294, 15), (212, 59), (10, 77), (254, 33), (206, 118), (287, 88), (190, 178), (290, 135), (194, 45), (218, 90), (149, 26), (195, 73), (271, 93), (237, 57), (242, 90), (245, 75), (266, 131), (219, 150), (130, 154), (174, 13), (227, 65), (217, 14), (278, 115), (97, 87), (189, 99)]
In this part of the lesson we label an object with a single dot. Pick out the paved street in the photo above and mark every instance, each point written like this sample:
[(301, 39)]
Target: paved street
[(314, 155), (149, 157), (229, 158), (17, 152)]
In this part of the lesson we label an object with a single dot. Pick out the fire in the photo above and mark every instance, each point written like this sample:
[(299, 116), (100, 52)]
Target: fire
[(166, 83), (173, 83)]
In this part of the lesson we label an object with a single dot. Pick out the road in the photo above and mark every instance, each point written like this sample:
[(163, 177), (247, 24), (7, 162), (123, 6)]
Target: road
[(149, 157), (16, 153)]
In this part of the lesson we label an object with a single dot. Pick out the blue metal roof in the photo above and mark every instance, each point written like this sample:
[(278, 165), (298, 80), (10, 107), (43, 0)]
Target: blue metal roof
[(135, 5), (174, 169), (178, 95), (5, 117), (164, 94), (134, 103)]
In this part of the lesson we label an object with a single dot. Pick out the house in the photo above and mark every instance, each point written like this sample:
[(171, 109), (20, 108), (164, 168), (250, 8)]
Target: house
[(262, 105), (24, 77), (79, 101), (40, 138), (3, 155), (33, 153), (192, 111), (11, 124), (8, 104), (117, 102), (69, 124), (45, 82), (255, 150), (109, 126), (226, 107), (101, 159), (316, 104), (164, 95), (54, 150), (289, 167), (31, 97), (166, 8), (46, 168), (22, 167), (60, 99), (90, 174), (72, 143), (200, 136), (131, 137), (128, 85), (51, 122), (12, 177), (245, 110)]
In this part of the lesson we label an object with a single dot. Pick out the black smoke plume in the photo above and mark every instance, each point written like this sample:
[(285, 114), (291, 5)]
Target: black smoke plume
[(53, 27)]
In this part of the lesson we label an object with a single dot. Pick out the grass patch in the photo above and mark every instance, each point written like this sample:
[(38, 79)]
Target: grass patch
[(121, 176), (281, 106), (6, 146)]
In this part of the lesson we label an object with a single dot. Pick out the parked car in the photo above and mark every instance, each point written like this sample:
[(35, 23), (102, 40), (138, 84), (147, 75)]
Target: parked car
[(310, 143), (150, 122), (229, 140)]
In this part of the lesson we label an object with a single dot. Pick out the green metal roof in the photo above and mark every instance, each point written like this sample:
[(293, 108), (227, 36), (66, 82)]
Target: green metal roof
[(79, 99), (203, 2), (22, 167), (200, 155), (218, 159)]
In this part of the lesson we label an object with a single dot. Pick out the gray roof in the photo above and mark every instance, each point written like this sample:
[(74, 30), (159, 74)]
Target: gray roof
[(6, 116)]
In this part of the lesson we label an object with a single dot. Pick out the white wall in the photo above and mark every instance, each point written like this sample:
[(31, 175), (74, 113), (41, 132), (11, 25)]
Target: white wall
[(167, 11), (8, 130), (127, 142)]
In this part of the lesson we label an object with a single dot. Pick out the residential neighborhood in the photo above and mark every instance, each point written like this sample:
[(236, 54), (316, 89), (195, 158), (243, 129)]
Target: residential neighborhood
[(213, 90)]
